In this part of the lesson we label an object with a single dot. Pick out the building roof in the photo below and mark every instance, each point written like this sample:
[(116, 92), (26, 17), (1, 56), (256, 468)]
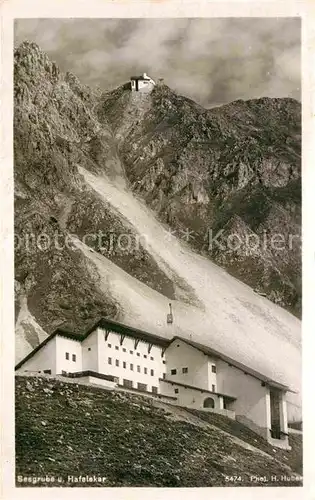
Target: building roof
[(116, 327), (212, 352), (141, 77), (129, 331), (107, 324), (181, 384)]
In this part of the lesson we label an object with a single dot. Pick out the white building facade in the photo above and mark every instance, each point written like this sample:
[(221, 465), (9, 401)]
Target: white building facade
[(136, 363), (188, 374), (142, 83), (132, 358), (202, 378)]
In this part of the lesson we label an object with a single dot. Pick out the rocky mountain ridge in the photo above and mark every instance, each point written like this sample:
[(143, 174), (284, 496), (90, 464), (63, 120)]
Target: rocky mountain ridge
[(55, 129), (228, 170), (233, 170), (115, 194)]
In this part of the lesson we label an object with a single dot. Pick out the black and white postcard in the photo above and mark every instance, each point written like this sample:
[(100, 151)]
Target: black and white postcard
[(153, 336)]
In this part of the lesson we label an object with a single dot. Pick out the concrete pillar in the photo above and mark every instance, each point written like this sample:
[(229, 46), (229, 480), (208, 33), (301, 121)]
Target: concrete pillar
[(268, 412), (221, 403), (283, 413), (101, 349)]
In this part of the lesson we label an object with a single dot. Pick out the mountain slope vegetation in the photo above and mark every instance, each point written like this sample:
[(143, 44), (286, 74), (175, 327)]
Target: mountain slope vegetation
[(66, 430)]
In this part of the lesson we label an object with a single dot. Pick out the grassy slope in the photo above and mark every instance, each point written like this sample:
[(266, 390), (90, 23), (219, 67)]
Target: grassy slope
[(69, 429)]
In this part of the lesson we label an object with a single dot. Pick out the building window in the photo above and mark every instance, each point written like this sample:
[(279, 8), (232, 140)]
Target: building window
[(154, 389), (74, 358), (145, 356), (152, 373), (131, 366), (138, 368), (213, 388), (124, 349), (163, 362), (214, 369), (47, 371), (117, 362), (173, 372), (127, 383), (145, 371), (152, 359), (138, 353), (116, 347), (185, 370), (176, 390), (124, 364), (63, 372), (131, 352), (67, 355), (142, 387), (89, 348), (109, 345), (109, 361), (164, 375)]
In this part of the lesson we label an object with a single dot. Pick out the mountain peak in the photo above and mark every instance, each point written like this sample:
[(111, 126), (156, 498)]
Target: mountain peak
[(30, 59)]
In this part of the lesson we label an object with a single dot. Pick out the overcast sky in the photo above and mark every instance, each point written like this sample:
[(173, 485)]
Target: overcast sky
[(212, 61)]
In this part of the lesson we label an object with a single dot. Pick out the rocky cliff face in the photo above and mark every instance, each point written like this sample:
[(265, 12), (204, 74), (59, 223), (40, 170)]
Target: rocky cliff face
[(55, 129), (86, 161), (227, 180)]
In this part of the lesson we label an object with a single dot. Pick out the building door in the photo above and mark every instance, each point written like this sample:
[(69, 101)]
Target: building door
[(275, 413), (127, 383), (208, 403)]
